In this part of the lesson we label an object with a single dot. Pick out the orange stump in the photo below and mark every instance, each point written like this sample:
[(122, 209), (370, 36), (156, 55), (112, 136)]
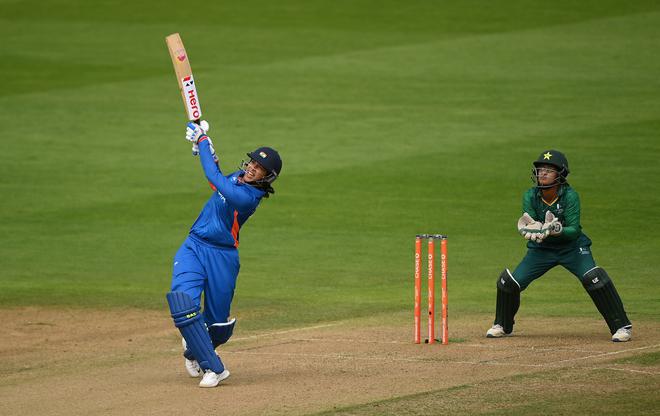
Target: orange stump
[(443, 271), (431, 287), (431, 291), (418, 289)]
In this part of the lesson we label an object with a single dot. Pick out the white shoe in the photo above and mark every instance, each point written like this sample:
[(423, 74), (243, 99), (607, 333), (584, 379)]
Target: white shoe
[(192, 366), (623, 334), (496, 331), (212, 379)]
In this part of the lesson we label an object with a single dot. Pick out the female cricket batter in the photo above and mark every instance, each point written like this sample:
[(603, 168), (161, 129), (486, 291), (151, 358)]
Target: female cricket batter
[(551, 223), (207, 261)]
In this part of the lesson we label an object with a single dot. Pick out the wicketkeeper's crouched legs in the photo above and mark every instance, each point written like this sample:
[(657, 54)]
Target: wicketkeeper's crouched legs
[(601, 289), (190, 322), (508, 301)]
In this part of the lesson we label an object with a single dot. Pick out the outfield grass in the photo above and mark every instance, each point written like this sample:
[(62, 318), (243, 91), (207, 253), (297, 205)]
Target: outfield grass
[(392, 118)]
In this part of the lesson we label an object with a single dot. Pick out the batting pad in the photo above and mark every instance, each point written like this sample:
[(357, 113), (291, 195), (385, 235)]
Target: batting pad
[(190, 322), (220, 333)]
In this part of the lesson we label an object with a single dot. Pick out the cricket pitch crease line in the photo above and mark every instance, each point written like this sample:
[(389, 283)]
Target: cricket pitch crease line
[(490, 347), (651, 373), (332, 356), (558, 363), (287, 331), (359, 341), (553, 364), (605, 354), (532, 348)]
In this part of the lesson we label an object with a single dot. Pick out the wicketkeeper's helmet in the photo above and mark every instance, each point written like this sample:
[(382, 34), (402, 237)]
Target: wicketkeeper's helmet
[(554, 158)]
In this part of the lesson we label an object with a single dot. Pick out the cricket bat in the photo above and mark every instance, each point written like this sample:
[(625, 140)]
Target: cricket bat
[(184, 76)]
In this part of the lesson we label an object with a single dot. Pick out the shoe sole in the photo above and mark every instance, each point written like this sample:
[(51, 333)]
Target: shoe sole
[(497, 336)]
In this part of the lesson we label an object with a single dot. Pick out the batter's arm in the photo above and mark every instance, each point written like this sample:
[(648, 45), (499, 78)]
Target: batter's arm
[(239, 198)]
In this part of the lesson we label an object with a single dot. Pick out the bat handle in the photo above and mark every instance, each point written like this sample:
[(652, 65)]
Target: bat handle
[(205, 126)]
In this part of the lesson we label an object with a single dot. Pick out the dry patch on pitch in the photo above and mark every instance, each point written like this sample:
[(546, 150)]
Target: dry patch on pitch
[(70, 362)]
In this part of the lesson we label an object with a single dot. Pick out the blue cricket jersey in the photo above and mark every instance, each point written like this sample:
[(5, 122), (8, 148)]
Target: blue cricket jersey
[(231, 204)]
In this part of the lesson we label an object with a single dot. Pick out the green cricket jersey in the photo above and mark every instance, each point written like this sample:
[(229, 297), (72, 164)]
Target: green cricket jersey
[(566, 207)]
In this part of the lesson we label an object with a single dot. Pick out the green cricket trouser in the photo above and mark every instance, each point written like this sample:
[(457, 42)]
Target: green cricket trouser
[(577, 259)]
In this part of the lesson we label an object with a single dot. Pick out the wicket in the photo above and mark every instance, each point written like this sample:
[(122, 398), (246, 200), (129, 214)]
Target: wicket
[(431, 286)]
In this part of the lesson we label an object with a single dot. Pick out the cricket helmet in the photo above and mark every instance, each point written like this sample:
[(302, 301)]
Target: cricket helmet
[(553, 158), (270, 160)]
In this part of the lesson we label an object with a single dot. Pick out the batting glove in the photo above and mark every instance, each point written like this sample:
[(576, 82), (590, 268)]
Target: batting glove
[(191, 129), (194, 131)]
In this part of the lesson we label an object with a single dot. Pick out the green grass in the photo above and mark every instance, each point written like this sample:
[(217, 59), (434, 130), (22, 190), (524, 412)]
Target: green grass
[(392, 118)]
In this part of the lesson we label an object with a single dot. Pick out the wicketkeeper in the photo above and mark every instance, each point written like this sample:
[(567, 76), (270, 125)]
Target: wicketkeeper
[(208, 262), (551, 224)]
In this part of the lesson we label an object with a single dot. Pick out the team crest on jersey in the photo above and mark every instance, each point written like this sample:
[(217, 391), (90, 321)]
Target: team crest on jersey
[(583, 250)]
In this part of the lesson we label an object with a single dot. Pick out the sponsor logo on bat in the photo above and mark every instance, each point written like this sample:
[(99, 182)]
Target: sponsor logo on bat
[(190, 93), (180, 55)]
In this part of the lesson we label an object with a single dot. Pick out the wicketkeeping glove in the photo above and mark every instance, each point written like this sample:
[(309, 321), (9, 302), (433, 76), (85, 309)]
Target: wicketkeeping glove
[(552, 224), (539, 236), (528, 227)]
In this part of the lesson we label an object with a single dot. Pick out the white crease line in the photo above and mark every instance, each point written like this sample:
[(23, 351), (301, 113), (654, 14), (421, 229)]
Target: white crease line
[(445, 362), (493, 347), (652, 373), (355, 341), (549, 365), (605, 354), (268, 334), (530, 348), (336, 356), (495, 363), (508, 348)]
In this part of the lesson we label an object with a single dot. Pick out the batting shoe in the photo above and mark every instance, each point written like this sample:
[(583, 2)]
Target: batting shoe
[(622, 334), (496, 331), (212, 379), (192, 366)]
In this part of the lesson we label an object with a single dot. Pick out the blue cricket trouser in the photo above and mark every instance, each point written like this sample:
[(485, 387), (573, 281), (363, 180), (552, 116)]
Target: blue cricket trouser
[(200, 267)]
